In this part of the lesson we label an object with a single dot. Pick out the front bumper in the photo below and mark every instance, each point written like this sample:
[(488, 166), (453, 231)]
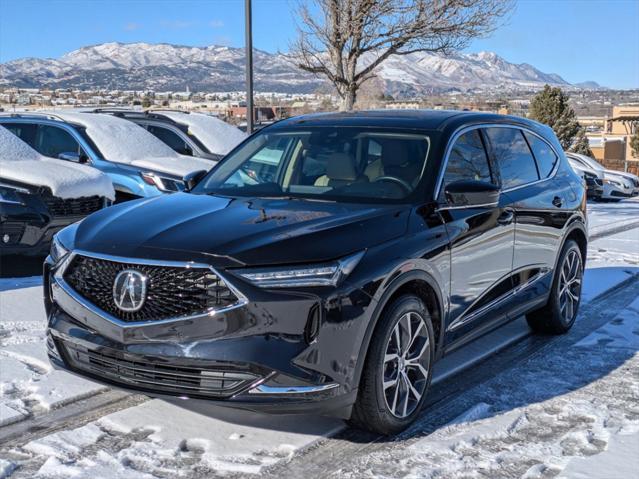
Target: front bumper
[(254, 357), (28, 230)]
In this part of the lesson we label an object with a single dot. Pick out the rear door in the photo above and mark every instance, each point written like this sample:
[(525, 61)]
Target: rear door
[(482, 241), (526, 166)]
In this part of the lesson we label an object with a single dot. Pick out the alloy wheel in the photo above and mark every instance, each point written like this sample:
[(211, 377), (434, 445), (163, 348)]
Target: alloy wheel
[(406, 365), (570, 280)]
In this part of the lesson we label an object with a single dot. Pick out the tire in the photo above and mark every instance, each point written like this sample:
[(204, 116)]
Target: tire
[(390, 410), (558, 315)]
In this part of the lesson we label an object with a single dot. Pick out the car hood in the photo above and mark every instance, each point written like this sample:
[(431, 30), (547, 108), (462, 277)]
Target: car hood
[(623, 174), (174, 165), (233, 232)]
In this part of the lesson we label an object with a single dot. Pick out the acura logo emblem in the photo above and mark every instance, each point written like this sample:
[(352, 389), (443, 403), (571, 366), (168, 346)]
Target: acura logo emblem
[(129, 290)]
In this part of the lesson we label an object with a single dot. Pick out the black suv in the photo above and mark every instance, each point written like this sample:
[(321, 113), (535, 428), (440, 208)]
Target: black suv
[(325, 264)]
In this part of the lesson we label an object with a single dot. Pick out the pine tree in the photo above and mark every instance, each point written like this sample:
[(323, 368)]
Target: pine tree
[(634, 143), (581, 144), (550, 106)]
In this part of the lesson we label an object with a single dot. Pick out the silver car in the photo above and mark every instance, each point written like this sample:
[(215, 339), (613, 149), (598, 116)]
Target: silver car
[(616, 186)]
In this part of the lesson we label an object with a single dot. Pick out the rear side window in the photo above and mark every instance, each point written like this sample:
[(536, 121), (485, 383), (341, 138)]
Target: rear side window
[(25, 132), (514, 158), (171, 138), (52, 141), (467, 160), (545, 156)]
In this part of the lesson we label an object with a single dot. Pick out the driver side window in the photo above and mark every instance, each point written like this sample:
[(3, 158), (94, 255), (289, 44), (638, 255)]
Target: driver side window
[(467, 160), (51, 141)]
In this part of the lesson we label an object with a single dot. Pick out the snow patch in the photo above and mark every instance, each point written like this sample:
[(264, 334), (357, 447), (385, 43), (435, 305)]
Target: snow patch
[(122, 141), (19, 162), (218, 136)]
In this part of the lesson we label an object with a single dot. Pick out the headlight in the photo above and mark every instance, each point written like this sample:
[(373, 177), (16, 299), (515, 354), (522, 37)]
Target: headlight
[(58, 251), (9, 194), (325, 274), (162, 183)]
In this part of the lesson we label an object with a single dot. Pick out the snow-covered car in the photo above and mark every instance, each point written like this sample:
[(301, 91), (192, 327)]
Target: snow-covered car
[(188, 133), (39, 196), (615, 186), (138, 164)]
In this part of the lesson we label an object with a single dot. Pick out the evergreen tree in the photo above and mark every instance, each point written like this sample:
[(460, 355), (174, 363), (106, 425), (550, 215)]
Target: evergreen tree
[(634, 142), (581, 144), (550, 106)]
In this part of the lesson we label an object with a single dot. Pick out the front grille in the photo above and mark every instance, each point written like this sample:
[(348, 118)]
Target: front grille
[(598, 182), (618, 194), (152, 375), (73, 207), (11, 232), (172, 292)]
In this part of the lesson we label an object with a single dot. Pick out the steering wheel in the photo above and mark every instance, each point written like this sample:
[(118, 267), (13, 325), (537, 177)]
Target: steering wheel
[(394, 179)]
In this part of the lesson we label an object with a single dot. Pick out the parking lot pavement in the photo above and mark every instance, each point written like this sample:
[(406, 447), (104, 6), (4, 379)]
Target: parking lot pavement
[(156, 438)]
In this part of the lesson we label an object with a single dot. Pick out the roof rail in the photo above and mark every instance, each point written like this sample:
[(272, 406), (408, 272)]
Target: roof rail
[(35, 114), (114, 108), (170, 110)]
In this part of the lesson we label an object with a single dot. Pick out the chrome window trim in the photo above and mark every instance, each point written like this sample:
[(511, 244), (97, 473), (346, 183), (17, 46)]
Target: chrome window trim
[(464, 129), (468, 207), (60, 281)]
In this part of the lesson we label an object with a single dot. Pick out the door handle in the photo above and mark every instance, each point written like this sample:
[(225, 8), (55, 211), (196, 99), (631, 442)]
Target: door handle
[(506, 217), (557, 201)]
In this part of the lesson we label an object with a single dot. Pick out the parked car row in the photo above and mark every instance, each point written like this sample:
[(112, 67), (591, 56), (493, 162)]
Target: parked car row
[(132, 153), (603, 184)]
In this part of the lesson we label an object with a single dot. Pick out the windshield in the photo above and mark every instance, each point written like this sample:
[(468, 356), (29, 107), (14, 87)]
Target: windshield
[(323, 163)]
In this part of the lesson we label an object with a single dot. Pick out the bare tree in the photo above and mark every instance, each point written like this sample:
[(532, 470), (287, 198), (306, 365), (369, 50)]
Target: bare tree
[(334, 35)]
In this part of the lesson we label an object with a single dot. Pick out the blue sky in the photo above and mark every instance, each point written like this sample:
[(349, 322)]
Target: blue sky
[(578, 39)]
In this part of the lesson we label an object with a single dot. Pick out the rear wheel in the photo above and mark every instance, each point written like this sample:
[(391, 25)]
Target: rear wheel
[(397, 371), (559, 314)]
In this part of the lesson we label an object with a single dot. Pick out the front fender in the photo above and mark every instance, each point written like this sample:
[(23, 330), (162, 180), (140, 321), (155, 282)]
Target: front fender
[(406, 272)]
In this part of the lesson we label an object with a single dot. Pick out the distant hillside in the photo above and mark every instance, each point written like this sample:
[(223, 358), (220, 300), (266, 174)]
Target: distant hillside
[(164, 67)]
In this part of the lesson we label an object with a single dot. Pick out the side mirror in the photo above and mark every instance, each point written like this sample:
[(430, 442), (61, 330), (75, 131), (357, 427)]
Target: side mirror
[(187, 151), (73, 156), (472, 194), (193, 178), (69, 156)]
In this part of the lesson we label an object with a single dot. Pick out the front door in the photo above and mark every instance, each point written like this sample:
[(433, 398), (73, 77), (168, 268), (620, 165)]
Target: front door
[(481, 245)]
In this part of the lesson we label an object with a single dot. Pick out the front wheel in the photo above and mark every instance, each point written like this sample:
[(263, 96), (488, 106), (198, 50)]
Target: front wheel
[(397, 371), (559, 314)]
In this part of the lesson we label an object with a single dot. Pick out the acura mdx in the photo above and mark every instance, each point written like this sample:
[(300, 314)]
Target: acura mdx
[(325, 264)]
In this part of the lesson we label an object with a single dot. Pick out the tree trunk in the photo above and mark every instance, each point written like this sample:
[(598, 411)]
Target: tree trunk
[(348, 99)]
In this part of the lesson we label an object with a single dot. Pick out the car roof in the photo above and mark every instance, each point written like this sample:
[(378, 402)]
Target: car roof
[(418, 119)]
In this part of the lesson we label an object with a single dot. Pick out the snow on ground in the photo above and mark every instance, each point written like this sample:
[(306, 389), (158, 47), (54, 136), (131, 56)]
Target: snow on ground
[(158, 439), (571, 411), (606, 215), (531, 421), (19, 162), (28, 384)]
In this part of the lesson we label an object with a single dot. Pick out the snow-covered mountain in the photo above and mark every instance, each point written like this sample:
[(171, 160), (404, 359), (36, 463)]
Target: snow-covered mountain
[(164, 67)]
